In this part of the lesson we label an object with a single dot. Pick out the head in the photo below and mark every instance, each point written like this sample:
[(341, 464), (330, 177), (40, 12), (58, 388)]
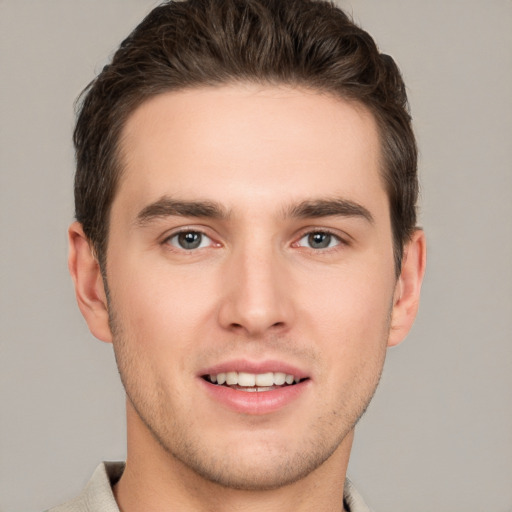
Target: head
[(246, 188), (195, 43)]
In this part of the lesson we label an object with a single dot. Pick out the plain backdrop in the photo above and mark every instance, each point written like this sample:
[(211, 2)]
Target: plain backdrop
[(438, 436)]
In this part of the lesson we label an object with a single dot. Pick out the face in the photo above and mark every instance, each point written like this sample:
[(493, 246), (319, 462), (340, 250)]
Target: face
[(251, 278)]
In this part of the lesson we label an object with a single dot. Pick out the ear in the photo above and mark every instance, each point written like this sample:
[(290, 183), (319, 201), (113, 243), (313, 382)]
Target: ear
[(407, 290), (89, 287)]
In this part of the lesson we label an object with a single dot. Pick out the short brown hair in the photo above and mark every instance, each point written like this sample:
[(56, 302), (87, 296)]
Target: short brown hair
[(191, 43)]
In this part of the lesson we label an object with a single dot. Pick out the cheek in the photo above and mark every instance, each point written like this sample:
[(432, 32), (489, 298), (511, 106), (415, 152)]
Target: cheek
[(350, 300), (161, 308), (351, 320)]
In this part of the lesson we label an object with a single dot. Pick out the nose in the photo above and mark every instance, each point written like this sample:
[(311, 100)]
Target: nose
[(256, 293)]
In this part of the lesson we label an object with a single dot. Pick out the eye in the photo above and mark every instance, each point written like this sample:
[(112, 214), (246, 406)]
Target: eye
[(319, 240), (189, 240)]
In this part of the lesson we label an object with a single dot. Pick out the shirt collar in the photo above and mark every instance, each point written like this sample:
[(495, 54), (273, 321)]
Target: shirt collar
[(98, 494)]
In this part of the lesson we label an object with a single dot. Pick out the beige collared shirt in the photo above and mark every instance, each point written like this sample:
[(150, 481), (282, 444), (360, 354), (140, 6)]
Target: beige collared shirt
[(98, 496)]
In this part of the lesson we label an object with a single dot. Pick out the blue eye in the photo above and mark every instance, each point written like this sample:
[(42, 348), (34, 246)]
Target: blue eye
[(189, 240), (319, 240)]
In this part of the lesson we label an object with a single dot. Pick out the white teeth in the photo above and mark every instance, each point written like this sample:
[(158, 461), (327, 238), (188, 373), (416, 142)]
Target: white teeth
[(265, 379), (279, 378), (257, 389), (231, 378), (249, 380), (246, 379)]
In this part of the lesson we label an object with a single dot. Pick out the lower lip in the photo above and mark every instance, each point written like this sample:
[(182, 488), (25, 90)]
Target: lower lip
[(255, 402)]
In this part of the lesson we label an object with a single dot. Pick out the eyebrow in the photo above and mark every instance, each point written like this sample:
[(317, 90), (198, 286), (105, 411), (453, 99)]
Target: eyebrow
[(167, 207), (329, 207)]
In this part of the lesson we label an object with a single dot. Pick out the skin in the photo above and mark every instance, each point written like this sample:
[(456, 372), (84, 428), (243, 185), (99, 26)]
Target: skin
[(255, 289)]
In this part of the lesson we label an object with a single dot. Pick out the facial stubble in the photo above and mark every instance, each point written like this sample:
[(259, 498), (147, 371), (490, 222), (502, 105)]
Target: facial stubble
[(282, 466)]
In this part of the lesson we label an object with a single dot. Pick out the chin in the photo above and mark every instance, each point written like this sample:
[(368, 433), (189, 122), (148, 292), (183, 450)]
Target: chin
[(252, 462), (248, 474)]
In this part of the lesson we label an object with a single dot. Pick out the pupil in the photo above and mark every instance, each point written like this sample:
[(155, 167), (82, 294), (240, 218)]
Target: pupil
[(190, 240), (319, 240)]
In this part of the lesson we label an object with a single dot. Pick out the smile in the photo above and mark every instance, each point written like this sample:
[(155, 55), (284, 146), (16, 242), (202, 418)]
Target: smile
[(253, 382)]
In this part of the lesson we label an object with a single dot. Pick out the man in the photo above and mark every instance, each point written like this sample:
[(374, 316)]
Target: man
[(246, 239)]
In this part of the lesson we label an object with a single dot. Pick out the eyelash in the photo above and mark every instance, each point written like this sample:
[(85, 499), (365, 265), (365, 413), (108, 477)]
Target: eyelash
[(308, 233), (321, 231), (168, 240)]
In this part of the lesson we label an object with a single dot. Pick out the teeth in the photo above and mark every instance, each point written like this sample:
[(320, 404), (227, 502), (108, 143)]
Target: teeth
[(265, 379), (246, 379), (231, 378), (262, 380), (279, 378)]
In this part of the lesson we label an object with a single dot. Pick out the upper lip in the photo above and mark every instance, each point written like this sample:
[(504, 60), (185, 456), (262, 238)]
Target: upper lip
[(256, 367)]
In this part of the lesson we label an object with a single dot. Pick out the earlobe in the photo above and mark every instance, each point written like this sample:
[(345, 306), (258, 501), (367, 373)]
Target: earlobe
[(89, 288), (408, 286)]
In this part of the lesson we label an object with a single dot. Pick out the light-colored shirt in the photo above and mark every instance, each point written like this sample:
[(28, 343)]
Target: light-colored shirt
[(98, 496)]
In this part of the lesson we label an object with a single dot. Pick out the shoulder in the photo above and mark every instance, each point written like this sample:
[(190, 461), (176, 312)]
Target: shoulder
[(353, 500), (97, 494)]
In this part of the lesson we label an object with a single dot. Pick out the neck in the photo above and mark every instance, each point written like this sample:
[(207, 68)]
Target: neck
[(155, 481)]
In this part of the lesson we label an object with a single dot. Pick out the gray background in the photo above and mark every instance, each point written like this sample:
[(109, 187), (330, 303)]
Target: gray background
[(438, 436)]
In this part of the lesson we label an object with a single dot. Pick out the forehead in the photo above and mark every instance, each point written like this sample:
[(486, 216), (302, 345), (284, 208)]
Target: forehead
[(263, 143)]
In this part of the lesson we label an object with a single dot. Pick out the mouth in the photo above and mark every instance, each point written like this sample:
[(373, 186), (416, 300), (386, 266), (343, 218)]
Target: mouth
[(255, 388), (253, 382)]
